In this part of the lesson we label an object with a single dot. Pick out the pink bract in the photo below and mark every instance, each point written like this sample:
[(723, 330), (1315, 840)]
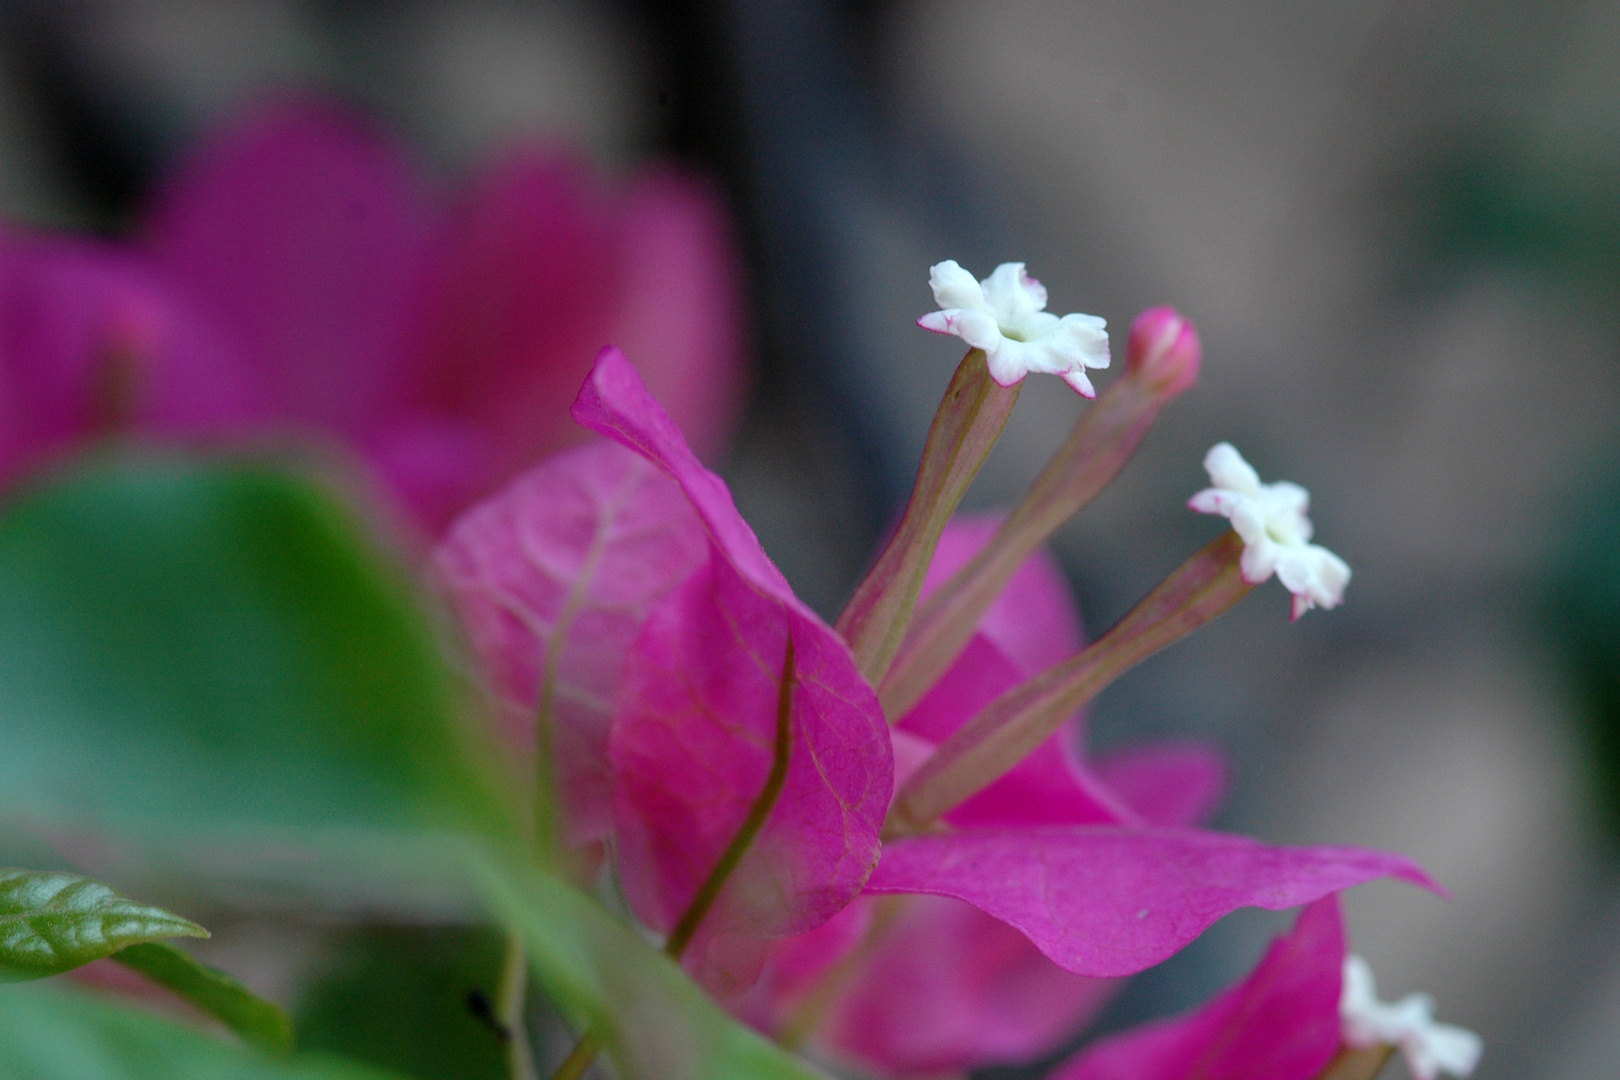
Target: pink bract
[(553, 578), (304, 233), (1109, 900), (694, 733), (1281, 1023), (296, 275), (94, 343), (946, 988)]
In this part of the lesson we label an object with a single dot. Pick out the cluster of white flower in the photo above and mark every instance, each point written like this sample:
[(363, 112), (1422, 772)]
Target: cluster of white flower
[(1429, 1046), (1006, 316), (1276, 533)]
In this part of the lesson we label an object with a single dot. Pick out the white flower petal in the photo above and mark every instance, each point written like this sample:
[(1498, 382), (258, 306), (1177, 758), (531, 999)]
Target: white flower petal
[(1296, 569), (954, 287), (1086, 336), (1227, 469), (1004, 315), (1013, 295), (1333, 573), (1214, 501), (1276, 532), (1034, 326), (1259, 560), (1010, 361), (1078, 379), (1429, 1047), (974, 327)]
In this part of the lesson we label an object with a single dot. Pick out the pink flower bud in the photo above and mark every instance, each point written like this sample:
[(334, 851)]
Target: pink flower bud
[(1164, 350)]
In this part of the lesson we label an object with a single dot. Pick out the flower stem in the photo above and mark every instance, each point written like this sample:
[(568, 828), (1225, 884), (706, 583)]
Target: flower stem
[(584, 1052), (1014, 724), (1352, 1064), (509, 1009), (1094, 453), (967, 424)]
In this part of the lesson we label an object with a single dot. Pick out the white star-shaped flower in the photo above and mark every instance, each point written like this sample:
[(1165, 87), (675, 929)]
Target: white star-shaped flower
[(1429, 1047), (1276, 533), (1006, 316)]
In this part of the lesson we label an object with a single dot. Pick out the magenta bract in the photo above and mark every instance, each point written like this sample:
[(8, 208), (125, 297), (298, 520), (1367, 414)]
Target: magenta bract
[(1106, 900), (1034, 621), (553, 578), (947, 988), (1167, 783), (296, 275), (94, 342), (1281, 1023), (694, 733), (304, 234)]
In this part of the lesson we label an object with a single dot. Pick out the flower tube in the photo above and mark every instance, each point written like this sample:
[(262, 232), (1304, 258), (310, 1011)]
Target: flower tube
[(1162, 360)]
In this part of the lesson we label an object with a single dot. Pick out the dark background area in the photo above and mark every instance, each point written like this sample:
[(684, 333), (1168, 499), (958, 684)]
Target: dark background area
[(1397, 226)]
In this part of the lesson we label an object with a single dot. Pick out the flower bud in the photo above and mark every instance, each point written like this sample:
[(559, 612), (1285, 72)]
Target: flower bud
[(1164, 351)]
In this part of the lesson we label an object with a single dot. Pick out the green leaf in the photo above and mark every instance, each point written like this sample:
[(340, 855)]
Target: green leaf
[(58, 1034), (655, 1022), (204, 657), (52, 922), (416, 999), (253, 1018)]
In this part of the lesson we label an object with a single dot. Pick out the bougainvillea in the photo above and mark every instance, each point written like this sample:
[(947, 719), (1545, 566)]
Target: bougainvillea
[(755, 756), (296, 276)]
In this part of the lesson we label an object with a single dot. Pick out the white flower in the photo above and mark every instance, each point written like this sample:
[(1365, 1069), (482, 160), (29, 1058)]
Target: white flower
[(1276, 533), (1429, 1047), (1006, 316)]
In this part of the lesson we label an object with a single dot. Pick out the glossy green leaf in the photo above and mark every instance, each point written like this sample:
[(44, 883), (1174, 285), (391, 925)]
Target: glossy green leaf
[(655, 1022), (418, 999), (256, 1020), (52, 922), (51, 1033), (204, 657)]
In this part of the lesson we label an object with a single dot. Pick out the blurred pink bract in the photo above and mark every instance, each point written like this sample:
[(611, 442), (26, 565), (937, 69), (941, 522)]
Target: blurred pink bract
[(1280, 1023), (295, 275)]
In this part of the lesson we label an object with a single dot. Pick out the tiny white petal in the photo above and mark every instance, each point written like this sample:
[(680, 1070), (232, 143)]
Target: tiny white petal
[(1333, 573), (1013, 295), (1078, 379), (1259, 560), (1227, 469), (1005, 316), (1296, 569), (1429, 1047), (976, 328), (1271, 519), (954, 287), (1213, 501)]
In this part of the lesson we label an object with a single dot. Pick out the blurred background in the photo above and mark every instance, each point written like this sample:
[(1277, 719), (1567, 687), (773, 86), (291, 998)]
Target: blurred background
[(1396, 225)]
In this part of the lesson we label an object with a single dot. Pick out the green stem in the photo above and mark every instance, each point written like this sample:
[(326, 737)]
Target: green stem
[(574, 1066), (509, 1010), (969, 421), (709, 892), (1094, 453)]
